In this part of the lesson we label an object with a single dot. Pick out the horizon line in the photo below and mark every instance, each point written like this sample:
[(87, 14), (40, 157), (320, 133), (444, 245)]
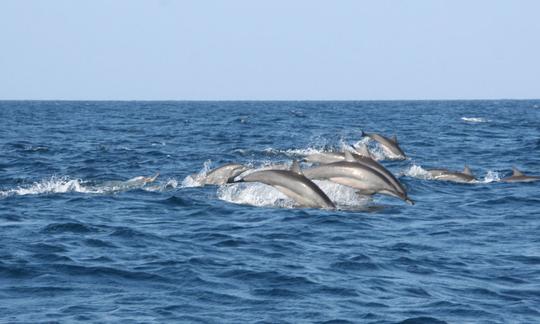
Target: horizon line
[(269, 100)]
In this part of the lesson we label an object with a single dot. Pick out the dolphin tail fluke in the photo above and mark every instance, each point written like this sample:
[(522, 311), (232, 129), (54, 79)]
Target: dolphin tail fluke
[(409, 201)]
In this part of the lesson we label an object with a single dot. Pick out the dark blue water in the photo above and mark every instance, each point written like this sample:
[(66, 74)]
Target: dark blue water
[(81, 241)]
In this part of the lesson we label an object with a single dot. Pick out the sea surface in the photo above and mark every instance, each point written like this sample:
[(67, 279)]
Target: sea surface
[(83, 239)]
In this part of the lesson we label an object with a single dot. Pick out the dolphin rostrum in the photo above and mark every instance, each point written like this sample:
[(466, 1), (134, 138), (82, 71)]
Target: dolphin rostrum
[(518, 176), (365, 179), (388, 144), (462, 177), (294, 185), (223, 174)]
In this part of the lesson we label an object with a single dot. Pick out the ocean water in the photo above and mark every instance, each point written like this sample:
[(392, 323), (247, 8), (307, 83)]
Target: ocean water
[(83, 239)]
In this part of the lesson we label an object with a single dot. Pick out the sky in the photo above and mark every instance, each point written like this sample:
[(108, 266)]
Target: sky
[(269, 49)]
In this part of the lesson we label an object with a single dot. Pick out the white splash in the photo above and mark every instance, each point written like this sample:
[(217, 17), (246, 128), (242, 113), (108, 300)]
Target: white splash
[(51, 185), (261, 195), (195, 180), (491, 176), (416, 171), (474, 119), (170, 184), (295, 152), (378, 151), (256, 194), (55, 184)]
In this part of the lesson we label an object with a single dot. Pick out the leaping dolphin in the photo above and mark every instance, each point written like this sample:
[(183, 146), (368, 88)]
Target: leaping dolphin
[(294, 185), (223, 174), (389, 144), (445, 175), (368, 161), (365, 179), (518, 176)]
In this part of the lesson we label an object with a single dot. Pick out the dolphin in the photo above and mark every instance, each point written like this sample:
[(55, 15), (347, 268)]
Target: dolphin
[(130, 184), (365, 179), (388, 144), (445, 175), (518, 176), (223, 174), (294, 185), (368, 161)]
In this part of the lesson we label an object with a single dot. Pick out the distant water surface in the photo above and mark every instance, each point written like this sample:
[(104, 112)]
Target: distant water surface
[(82, 240)]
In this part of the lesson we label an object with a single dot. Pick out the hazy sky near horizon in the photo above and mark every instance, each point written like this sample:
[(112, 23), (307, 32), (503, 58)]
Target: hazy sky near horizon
[(245, 49)]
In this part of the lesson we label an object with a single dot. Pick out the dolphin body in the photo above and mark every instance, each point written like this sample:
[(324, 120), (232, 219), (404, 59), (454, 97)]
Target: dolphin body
[(365, 179), (389, 144), (223, 174), (366, 159), (133, 183), (294, 185), (518, 176), (445, 175)]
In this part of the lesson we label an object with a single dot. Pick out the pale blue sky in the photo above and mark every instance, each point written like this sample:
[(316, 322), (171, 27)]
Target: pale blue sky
[(248, 49)]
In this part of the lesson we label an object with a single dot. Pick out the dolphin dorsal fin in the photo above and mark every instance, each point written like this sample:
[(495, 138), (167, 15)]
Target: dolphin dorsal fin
[(349, 157), (467, 170), (394, 139), (363, 150), (295, 167), (516, 172)]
